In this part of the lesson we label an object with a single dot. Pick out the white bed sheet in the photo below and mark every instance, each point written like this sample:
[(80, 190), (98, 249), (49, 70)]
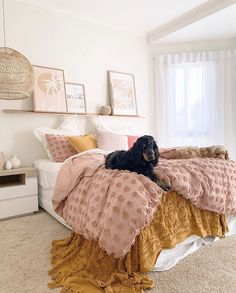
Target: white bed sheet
[(167, 259), (47, 172)]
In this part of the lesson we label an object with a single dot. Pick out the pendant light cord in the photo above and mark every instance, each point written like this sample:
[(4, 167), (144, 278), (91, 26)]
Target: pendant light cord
[(4, 24)]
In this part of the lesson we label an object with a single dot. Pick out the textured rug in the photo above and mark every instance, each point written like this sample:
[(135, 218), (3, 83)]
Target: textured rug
[(25, 244)]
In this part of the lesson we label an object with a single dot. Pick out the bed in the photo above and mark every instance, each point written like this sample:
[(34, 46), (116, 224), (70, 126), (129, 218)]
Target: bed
[(48, 171), (123, 225)]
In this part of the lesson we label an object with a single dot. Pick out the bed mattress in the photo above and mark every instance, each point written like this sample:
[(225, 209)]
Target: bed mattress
[(48, 171)]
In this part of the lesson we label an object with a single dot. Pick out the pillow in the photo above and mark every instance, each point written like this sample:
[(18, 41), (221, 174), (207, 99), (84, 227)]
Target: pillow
[(131, 140), (109, 141), (68, 127), (102, 126), (83, 142), (59, 147)]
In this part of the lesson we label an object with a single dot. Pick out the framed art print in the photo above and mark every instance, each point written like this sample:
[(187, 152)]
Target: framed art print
[(75, 98), (49, 90), (122, 93)]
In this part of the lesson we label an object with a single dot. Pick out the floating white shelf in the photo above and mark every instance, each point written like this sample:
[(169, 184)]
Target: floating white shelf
[(66, 113)]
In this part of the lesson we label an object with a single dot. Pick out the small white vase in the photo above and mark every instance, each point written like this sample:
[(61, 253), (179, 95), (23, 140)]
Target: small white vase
[(8, 165), (15, 162)]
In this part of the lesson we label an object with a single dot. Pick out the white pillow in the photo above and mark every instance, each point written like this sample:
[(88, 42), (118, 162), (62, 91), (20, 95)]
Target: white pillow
[(109, 141), (101, 125), (68, 127)]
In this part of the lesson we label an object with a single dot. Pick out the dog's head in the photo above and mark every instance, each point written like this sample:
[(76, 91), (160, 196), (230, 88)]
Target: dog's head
[(147, 148)]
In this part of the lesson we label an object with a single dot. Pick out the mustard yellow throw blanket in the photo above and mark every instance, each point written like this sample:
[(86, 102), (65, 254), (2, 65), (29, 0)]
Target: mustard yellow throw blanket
[(81, 266)]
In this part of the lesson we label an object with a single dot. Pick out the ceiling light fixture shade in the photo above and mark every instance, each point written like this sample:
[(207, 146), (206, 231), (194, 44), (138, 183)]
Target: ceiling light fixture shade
[(16, 72), (16, 75)]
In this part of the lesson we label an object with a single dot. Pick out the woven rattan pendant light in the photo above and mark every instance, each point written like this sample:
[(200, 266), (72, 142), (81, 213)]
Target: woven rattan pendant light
[(16, 72)]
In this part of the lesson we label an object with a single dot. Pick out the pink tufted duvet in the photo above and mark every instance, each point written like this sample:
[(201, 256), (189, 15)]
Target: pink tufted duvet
[(112, 206), (210, 184)]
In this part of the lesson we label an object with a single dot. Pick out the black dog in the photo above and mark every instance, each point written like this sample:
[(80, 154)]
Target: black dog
[(141, 158)]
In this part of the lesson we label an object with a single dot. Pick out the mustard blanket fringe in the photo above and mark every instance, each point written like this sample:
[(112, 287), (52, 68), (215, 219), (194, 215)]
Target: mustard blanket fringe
[(81, 266)]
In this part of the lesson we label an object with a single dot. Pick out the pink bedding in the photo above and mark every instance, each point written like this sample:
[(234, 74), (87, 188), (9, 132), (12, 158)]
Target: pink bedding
[(109, 206), (210, 184), (112, 206)]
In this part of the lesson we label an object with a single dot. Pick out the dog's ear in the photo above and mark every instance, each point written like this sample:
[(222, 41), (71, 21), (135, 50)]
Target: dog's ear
[(137, 153), (137, 148), (156, 151)]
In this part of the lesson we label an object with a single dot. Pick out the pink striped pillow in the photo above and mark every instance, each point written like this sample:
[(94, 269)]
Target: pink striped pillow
[(59, 147)]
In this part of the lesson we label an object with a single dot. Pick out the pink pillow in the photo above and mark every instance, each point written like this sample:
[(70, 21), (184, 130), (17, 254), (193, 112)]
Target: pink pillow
[(109, 141), (131, 140), (59, 147)]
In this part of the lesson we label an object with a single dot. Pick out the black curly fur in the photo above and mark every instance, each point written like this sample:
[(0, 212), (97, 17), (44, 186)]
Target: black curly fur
[(134, 159)]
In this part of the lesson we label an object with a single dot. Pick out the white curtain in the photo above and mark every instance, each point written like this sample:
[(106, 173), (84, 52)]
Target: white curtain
[(196, 99)]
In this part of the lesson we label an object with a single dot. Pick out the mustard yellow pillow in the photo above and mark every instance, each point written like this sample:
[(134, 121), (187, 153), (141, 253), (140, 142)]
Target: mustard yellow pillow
[(83, 142)]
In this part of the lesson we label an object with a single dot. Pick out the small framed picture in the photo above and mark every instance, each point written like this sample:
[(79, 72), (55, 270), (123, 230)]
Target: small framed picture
[(122, 93), (75, 98), (49, 90)]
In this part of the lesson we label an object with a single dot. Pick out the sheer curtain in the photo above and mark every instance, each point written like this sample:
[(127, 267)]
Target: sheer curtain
[(195, 95)]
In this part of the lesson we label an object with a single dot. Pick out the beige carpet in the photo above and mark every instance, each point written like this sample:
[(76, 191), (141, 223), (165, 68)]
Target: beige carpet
[(24, 261)]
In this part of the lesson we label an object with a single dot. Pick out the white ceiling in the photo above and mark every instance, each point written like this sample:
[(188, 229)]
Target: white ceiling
[(135, 16), (221, 25)]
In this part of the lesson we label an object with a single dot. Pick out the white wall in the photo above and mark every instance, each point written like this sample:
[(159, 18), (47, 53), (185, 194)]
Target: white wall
[(85, 51)]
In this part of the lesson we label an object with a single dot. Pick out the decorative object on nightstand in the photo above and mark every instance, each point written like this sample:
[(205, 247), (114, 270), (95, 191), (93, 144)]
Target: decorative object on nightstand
[(3, 159), (18, 192), (8, 165), (105, 110), (16, 72), (15, 162)]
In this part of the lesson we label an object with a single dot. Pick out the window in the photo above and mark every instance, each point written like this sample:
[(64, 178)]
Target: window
[(195, 99), (189, 101)]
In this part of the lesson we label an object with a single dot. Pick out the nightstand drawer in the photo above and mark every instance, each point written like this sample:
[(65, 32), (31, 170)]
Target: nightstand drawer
[(18, 206), (18, 192), (10, 192)]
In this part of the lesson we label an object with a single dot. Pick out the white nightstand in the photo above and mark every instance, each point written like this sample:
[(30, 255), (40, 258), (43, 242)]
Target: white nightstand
[(18, 192)]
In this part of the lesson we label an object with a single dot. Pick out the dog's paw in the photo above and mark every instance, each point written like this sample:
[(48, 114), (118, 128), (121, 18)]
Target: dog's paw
[(166, 187)]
